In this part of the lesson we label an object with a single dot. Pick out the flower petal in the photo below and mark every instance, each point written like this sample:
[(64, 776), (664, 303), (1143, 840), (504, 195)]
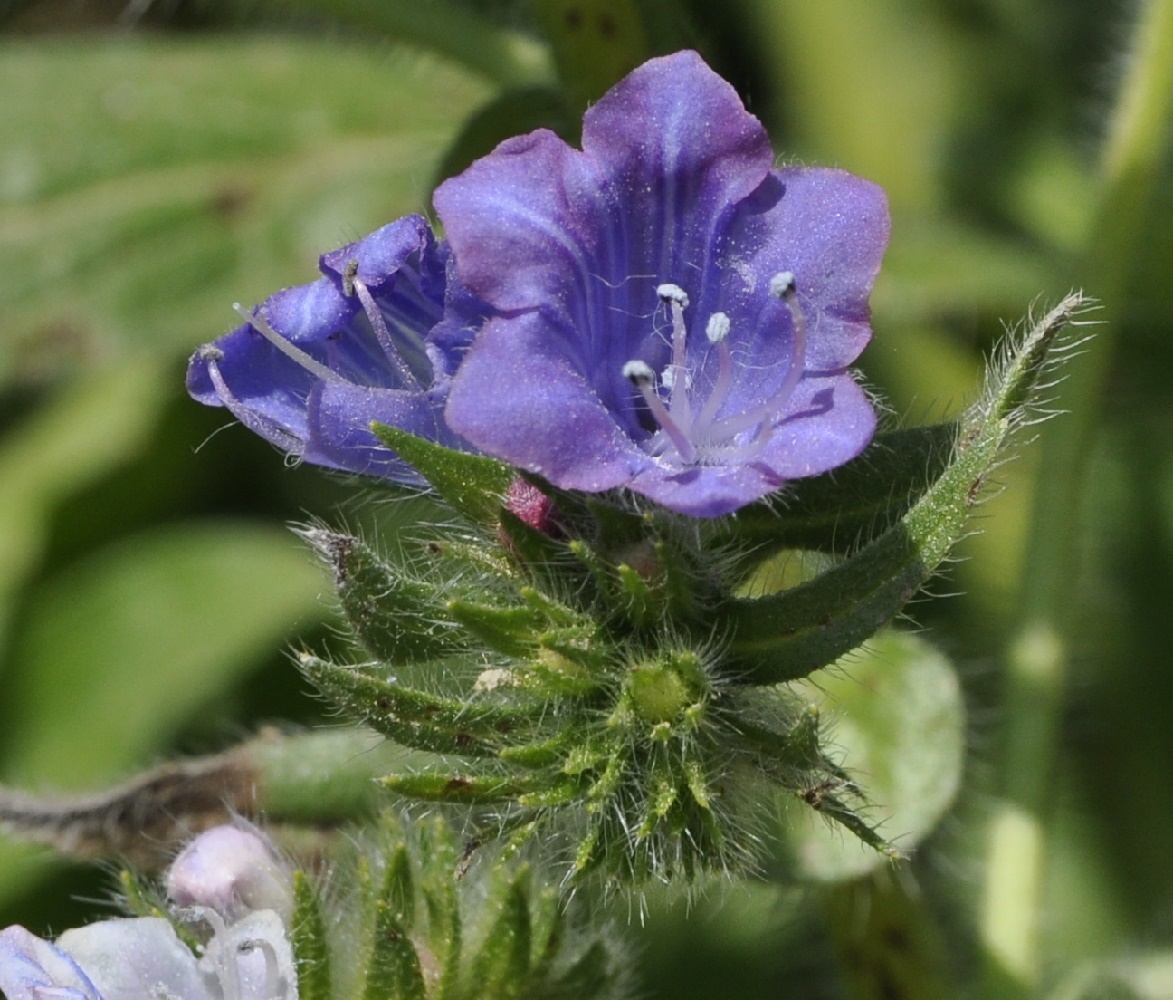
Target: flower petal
[(29, 965), (136, 957), (530, 405), (666, 154)]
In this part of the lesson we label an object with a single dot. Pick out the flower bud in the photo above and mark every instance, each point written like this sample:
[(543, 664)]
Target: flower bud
[(231, 871)]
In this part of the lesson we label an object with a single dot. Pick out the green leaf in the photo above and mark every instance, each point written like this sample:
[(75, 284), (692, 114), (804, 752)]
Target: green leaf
[(594, 42), (97, 424), (145, 631), (400, 893), (838, 511), (785, 636), (150, 182), (395, 618), (311, 950), (468, 789), (898, 723), (474, 485)]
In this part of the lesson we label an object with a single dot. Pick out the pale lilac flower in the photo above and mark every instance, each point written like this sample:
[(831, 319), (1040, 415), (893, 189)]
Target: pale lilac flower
[(674, 316), (230, 881)]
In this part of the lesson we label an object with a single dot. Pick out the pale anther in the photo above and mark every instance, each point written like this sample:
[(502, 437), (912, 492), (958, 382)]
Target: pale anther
[(639, 373), (783, 284), (669, 292), (718, 327), (349, 273)]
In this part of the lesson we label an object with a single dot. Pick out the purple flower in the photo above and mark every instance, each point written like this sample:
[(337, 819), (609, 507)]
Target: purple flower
[(377, 338), (673, 316)]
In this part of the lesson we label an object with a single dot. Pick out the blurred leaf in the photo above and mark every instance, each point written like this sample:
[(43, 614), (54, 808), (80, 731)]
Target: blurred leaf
[(895, 715), (874, 88), (144, 185), (514, 112), (96, 425), (122, 647), (594, 42)]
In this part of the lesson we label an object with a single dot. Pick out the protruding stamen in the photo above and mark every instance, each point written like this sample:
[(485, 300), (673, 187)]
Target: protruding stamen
[(717, 331), (676, 299), (211, 355), (382, 334), (640, 374), (294, 353), (784, 287)]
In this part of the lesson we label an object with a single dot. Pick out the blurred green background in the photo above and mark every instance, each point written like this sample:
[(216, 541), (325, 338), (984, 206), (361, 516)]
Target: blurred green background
[(161, 160)]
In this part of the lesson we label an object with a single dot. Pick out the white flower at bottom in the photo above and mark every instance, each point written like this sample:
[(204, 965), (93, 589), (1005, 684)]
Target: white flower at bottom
[(248, 956)]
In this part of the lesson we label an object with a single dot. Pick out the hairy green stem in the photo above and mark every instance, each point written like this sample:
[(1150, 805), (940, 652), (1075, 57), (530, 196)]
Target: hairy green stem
[(1036, 660)]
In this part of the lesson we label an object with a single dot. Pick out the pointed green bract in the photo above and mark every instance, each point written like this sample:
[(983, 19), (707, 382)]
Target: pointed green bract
[(414, 718), (395, 618), (474, 485), (502, 965), (311, 949), (394, 971)]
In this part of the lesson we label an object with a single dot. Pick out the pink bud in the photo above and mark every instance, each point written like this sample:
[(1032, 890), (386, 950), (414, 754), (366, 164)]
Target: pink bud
[(232, 871)]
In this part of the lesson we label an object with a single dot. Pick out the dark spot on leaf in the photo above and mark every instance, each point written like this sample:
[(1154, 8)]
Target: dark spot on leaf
[(607, 26), (573, 19), (230, 202), (897, 940)]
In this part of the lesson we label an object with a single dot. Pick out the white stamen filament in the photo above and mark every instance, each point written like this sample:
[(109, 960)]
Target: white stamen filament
[(644, 379), (703, 435), (677, 301), (718, 333), (784, 287), (294, 353), (382, 334)]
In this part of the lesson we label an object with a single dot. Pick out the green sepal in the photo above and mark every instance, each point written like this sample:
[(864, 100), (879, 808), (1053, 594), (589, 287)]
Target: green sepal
[(509, 631), (838, 511), (438, 856), (590, 975), (414, 718), (396, 619), (307, 936), (475, 486), (639, 597), (544, 754), (785, 636), (472, 789), (502, 965), (400, 887), (394, 972), (138, 898), (536, 549)]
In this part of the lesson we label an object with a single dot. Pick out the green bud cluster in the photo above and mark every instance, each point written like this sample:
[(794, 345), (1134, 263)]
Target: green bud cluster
[(613, 677)]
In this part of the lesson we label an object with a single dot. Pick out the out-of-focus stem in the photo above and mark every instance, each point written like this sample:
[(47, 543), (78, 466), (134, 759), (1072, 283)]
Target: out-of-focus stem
[(1036, 660)]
